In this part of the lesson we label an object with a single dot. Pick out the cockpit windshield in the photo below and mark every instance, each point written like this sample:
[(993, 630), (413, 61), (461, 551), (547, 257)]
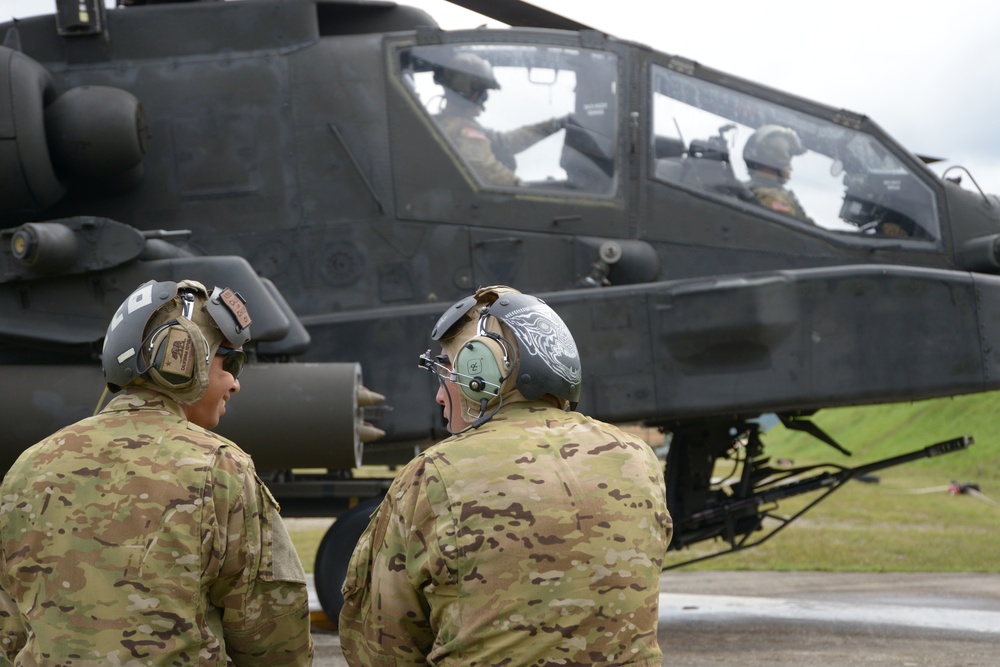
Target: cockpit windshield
[(806, 169), (522, 116)]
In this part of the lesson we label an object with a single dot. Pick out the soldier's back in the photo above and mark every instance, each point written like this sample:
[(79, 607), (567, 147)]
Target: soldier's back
[(106, 521), (561, 530)]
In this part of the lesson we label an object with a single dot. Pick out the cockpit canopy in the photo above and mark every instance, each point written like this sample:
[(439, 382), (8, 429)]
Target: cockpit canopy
[(549, 117), (522, 92), (843, 180)]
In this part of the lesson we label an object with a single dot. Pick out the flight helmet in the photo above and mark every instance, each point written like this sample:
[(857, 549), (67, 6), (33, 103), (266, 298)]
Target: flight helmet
[(505, 346), (772, 146), (164, 336), (469, 75)]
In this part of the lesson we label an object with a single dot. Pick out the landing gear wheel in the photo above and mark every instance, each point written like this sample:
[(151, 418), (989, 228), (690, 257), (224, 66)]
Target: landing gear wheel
[(334, 555)]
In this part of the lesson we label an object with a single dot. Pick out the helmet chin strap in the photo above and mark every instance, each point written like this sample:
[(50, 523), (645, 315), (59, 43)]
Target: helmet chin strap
[(100, 401)]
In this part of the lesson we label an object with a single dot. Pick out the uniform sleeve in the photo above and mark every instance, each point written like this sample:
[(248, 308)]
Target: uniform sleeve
[(386, 620), (515, 141), (261, 587), (12, 633), (658, 493)]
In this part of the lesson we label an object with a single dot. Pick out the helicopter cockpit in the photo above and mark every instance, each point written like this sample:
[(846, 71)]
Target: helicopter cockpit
[(839, 179), (525, 116)]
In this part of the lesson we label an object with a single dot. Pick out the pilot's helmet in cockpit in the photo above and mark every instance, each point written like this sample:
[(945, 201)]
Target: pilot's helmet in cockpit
[(772, 146), (467, 74)]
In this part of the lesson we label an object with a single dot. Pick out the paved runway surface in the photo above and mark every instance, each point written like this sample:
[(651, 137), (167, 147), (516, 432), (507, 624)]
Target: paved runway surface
[(753, 619)]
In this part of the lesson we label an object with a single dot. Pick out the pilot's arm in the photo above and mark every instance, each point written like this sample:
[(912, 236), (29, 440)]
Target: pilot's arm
[(515, 141), (481, 147), (386, 618)]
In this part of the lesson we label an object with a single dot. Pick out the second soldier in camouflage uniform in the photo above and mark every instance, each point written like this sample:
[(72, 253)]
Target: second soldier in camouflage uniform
[(137, 536), (534, 536), (768, 155)]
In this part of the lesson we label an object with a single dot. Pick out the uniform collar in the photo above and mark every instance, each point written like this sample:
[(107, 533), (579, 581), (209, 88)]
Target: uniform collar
[(766, 178), (144, 399), (527, 405)]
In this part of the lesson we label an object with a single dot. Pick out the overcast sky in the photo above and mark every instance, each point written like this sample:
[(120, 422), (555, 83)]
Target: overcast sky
[(928, 73)]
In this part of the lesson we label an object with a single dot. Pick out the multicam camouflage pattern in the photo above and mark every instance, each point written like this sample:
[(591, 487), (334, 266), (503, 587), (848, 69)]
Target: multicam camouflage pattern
[(776, 197), (479, 146), (137, 538), (536, 540)]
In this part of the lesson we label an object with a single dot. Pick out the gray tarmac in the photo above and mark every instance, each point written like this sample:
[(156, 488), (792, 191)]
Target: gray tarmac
[(753, 619)]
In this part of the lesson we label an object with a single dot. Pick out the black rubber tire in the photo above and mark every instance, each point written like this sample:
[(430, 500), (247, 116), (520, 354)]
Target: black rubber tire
[(334, 555)]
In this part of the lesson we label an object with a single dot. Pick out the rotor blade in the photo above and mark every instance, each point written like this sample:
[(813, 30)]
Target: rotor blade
[(520, 14), (927, 159)]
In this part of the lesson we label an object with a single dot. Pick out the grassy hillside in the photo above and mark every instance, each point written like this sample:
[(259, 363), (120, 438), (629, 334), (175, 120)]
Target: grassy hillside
[(875, 432), (907, 521)]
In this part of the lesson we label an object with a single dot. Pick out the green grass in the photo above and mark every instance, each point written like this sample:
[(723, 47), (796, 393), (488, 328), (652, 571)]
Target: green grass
[(896, 524), (879, 527), (875, 432)]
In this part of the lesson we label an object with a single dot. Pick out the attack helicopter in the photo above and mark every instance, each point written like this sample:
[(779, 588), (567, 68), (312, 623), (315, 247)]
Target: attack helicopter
[(298, 151)]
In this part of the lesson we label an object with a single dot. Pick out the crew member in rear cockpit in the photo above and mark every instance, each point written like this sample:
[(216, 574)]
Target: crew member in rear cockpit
[(467, 80), (768, 154)]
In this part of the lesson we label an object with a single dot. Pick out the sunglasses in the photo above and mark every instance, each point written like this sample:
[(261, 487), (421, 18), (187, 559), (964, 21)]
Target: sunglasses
[(233, 360)]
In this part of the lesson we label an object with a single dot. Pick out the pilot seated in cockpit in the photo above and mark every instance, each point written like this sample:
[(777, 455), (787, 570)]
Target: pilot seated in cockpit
[(768, 155), (467, 80)]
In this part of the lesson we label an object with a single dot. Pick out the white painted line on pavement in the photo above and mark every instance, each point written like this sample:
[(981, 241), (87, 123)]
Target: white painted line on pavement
[(676, 606), (679, 606)]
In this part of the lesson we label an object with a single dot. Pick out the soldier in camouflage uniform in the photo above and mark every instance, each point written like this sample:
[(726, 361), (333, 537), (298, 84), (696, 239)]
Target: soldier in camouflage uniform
[(533, 536), (467, 80), (139, 537), (768, 155)]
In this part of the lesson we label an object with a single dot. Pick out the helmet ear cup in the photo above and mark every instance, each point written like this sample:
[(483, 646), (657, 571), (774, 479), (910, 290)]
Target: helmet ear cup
[(480, 367), (172, 355), (178, 354)]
